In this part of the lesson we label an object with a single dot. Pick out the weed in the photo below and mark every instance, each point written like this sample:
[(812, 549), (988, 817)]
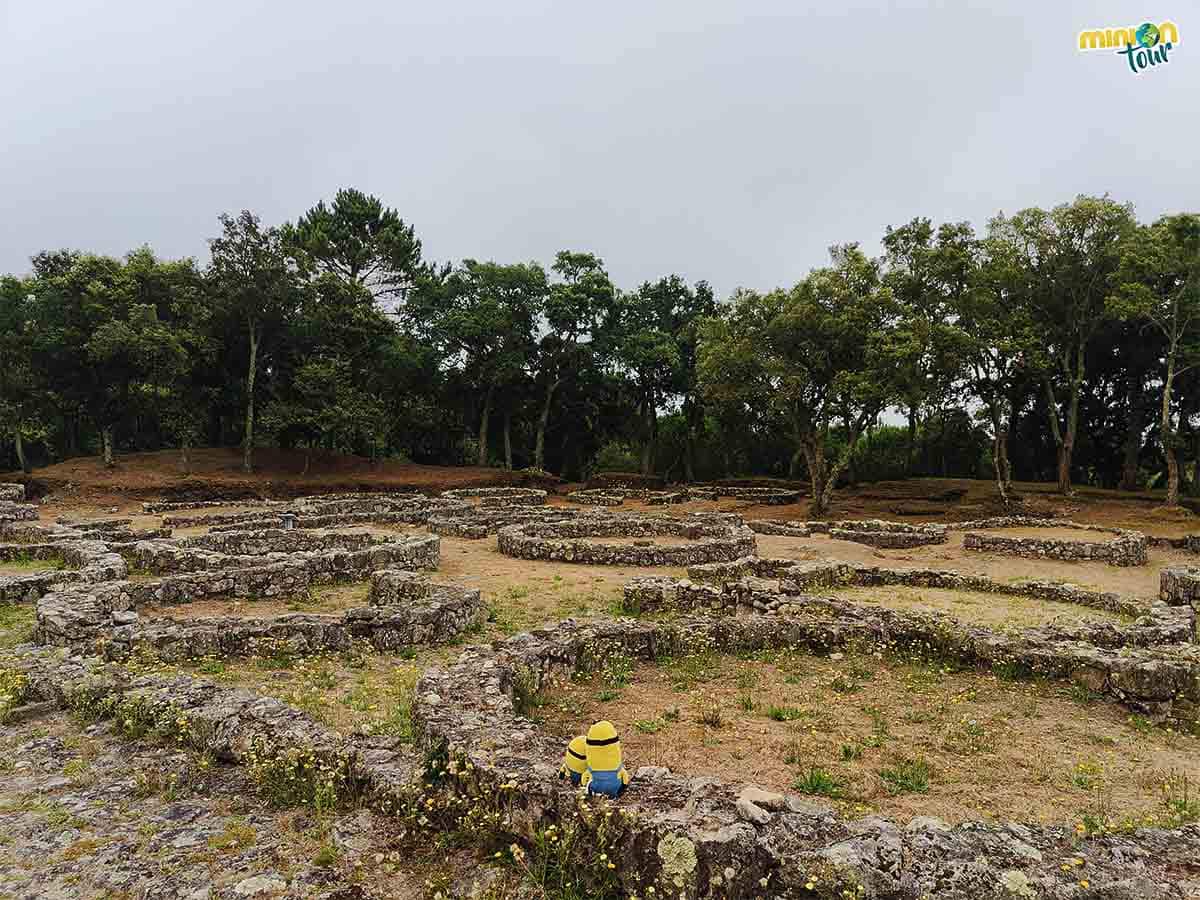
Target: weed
[(708, 712), (14, 691), (1087, 774), (746, 702), (819, 782), (851, 752), (649, 726), (906, 776), (326, 856), (785, 713), (236, 835), (526, 692), (1181, 805)]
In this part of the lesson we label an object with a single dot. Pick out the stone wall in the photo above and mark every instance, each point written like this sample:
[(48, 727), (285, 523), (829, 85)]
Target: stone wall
[(105, 619), (17, 512), (499, 496), (480, 522), (1128, 549), (568, 541), (700, 837), (1180, 586), (85, 561), (12, 493), (597, 497), (383, 509), (329, 557)]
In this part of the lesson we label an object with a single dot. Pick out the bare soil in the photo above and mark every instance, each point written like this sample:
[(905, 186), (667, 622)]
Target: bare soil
[(991, 749), (217, 472)]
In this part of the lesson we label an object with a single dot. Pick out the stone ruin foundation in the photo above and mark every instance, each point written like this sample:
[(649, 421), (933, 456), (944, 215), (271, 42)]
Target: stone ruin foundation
[(579, 540), (499, 496)]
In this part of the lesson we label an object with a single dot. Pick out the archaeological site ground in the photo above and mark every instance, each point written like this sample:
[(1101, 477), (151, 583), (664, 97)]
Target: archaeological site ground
[(344, 686)]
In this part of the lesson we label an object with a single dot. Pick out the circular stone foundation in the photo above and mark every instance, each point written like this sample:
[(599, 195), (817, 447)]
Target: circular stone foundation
[(580, 540), (1127, 548), (499, 496), (597, 497)]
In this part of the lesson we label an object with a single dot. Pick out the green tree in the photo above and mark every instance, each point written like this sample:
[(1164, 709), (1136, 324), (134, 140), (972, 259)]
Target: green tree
[(998, 334), (1159, 283), (815, 353), (574, 310), (928, 272), (649, 336), (1062, 263), (22, 413), (358, 239), (255, 283), (482, 315)]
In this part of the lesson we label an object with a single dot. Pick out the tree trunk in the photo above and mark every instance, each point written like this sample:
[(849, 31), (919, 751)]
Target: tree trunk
[(482, 457), (793, 467), (1168, 435), (651, 427), (106, 440), (308, 448), (539, 447), (1064, 442), (814, 455), (508, 440), (911, 460), (689, 442), (185, 455), (21, 458), (1133, 440), (248, 437), (1195, 486)]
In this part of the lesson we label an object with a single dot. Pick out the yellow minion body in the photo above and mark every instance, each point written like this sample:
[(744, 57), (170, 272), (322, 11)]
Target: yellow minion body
[(605, 772), (575, 758)]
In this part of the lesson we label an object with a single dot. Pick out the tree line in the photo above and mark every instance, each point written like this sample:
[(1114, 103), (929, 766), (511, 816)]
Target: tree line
[(1058, 344)]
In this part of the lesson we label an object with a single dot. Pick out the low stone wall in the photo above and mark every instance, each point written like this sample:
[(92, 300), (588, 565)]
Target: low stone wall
[(1128, 549), (888, 535), (766, 496), (789, 528), (86, 562), (480, 522), (104, 618), (404, 509), (1161, 639), (328, 556), (567, 541), (702, 838), (1180, 586), (17, 512), (12, 493), (872, 532), (597, 497), (1189, 542), (499, 496), (159, 506), (699, 838)]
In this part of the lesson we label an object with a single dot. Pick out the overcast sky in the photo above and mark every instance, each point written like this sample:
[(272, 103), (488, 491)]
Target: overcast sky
[(730, 141)]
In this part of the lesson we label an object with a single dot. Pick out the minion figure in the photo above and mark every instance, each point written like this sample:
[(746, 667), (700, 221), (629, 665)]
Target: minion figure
[(605, 772), (574, 760)]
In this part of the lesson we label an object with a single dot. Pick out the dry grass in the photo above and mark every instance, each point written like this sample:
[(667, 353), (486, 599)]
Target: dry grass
[(897, 737), (1000, 611), (332, 598)]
